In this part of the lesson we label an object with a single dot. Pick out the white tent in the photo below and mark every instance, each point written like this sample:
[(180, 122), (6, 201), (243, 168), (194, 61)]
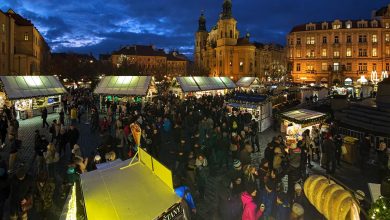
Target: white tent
[(124, 85)]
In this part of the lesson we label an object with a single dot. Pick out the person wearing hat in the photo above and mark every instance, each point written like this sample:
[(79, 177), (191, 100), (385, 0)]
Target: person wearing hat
[(245, 154), (251, 211), (4, 186), (21, 194), (297, 212)]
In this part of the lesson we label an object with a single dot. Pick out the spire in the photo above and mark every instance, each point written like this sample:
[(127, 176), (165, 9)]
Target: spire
[(227, 9), (202, 22)]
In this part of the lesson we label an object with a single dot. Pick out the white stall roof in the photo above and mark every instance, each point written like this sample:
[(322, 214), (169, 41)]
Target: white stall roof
[(19, 87), (301, 115), (246, 81), (188, 84), (228, 82), (124, 85), (132, 193)]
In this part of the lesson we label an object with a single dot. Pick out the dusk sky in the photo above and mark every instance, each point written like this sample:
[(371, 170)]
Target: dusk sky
[(101, 26)]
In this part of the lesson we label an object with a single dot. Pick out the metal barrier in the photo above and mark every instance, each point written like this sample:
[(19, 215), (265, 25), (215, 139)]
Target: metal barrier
[(375, 139)]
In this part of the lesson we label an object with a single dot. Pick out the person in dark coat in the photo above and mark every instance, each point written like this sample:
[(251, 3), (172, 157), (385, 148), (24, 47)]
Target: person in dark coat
[(245, 155), (330, 149), (269, 154), (3, 130), (364, 151), (338, 141), (62, 117), (282, 208), (21, 194), (44, 118), (229, 205), (4, 187), (73, 135)]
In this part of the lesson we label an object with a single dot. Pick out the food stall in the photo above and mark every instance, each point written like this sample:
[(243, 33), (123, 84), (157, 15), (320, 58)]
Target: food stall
[(295, 122), (309, 93), (133, 189), (126, 88), (251, 84), (200, 85), (30, 94), (259, 106)]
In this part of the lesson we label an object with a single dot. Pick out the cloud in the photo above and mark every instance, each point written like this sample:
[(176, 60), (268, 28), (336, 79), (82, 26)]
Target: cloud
[(102, 26)]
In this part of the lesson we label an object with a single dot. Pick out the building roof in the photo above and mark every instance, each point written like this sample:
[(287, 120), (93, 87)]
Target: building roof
[(175, 56), (244, 41), (318, 25), (124, 85), (140, 50), (382, 11), (19, 20)]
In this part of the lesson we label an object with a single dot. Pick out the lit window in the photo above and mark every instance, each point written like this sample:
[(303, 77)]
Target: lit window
[(298, 53), (241, 66), (26, 36), (348, 26), (387, 37), (310, 40), (374, 38), (336, 53), (336, 66), (387, 25), (374, 52), (336, 26), (324, 66), (387, 51), (3, 27), (349, 52), (324, 53), (309, 67), (310, 53)]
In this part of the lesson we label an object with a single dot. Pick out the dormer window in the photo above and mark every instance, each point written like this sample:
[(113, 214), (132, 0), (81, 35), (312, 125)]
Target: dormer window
[(324, 26), (310, 27), (374, 23), (336, 24), (362, 24), (348, 24)]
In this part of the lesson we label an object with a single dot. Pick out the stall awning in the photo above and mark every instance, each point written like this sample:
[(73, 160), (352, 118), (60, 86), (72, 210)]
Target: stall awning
[(19, 87), (302, 116), (209, 83), (188, 84), (246, 81), (124, 85), (228, 82), (132, 193)]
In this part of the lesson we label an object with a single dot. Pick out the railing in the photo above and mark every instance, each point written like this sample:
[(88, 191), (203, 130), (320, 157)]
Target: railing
[(375, 139)]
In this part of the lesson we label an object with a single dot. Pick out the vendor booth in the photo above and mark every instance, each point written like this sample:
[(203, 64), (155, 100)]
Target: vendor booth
[(313, 93), (259, 106), (295, 122), (30, 94), (251, 84), (200, 85), (126, 88), (131, 190)]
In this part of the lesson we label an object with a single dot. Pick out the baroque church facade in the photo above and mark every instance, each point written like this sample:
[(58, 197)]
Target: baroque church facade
[(222, 52)]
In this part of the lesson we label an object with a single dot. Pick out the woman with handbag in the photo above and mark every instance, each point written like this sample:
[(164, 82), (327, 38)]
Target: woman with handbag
[(21, 194)]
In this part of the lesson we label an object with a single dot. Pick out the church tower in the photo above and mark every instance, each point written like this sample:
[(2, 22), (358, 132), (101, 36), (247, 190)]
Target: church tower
[(200, 39), (227, 26)]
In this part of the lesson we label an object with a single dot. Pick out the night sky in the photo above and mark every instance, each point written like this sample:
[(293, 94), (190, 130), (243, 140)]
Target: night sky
[(101, 26)]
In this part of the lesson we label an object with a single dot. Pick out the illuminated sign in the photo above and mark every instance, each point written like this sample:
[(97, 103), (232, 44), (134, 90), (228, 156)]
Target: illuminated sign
[(173, 213)]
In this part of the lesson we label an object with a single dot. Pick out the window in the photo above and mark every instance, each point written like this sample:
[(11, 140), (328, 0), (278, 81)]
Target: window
[(348, 25), (298, 41), (362, 66), (349, 52), (387, 37), (362, 39), (309, 67), (323, 53), (387, 51), (362, 52), (241, 66), (298, 53), (310, 27), (324, 40), (374, 38), (349, 39), (26, 36), (374, 52), (3, 27), (349, 67), (374, 66), (324, 26), (298, 67), (387, 67), (324, 66), (310, 53), (291, 53), (310, 40), (336, 53), (387, 25), (374, 24), (336, 26), (231, 34), (336, 39), (336, 66)]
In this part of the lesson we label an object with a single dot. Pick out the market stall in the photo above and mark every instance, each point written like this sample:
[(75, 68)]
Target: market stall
[(259, 106), (294, 122), (251, 84), (30, 94), (125, 88), (131, 190), (200, 85), (313, 93)]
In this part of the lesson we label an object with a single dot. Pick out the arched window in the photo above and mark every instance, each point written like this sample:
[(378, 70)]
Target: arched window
[(231, 34)]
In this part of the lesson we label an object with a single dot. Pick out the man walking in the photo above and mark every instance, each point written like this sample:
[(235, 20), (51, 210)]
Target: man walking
[(44, 118)]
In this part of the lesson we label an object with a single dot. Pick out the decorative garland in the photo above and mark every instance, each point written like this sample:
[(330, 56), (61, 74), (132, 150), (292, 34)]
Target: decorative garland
[(380, 209)]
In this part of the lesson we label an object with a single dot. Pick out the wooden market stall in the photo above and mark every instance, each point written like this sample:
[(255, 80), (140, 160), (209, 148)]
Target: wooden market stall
[(259, 106), (125, 88), (295, 122), (251, 84), (30, 94)]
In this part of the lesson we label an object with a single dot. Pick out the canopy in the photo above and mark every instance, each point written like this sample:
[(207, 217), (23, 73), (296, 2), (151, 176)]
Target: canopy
[(247, 81), (302, 116), (131, 193), (19, 87), (202, 83), (124, 85)]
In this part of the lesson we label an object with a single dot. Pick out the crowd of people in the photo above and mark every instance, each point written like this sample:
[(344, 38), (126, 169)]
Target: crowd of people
[(196, 138)]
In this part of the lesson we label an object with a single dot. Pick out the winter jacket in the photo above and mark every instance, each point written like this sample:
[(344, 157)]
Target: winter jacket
[(250, 211), (294, 157), (268, 198), (184, 192), (245, 157)]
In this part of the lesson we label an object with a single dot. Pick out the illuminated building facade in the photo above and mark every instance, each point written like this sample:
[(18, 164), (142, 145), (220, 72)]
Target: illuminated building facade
[(23, 49), (222, 52), (341, 51)]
